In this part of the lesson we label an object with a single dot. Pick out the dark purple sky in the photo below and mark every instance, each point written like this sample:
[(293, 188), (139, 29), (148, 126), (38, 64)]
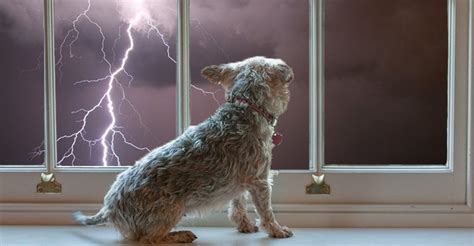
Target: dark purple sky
[(386, 81), (385, 75), (21, 93)]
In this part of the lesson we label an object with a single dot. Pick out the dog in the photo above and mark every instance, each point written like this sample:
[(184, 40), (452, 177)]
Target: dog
[(216, 162)]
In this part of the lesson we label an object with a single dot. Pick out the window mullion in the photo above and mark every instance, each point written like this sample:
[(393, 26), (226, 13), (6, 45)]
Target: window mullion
[(183, 77), (316, 84), (50, 144)]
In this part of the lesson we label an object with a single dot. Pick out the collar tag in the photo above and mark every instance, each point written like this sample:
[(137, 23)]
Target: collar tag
[(277, 138)]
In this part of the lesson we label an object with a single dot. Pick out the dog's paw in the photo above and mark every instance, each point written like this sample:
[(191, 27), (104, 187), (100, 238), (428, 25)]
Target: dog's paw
[(179, 237), (186, 237), (247, 228), (282, 232)]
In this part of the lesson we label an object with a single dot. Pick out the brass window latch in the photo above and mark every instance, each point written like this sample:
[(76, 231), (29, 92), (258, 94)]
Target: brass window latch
[(48, 184), (318, 185)]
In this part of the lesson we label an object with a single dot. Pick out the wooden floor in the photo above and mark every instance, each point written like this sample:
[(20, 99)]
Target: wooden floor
[(78, 235)]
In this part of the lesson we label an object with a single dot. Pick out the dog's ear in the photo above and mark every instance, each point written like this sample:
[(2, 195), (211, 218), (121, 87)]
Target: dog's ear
[(285, 73), (217, 74), (212, 73)]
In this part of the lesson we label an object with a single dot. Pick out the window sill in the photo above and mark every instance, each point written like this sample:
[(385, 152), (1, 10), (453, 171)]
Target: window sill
[(293, 215)]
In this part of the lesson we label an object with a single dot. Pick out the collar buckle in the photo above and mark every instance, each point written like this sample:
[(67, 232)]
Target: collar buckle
[(273, 122)]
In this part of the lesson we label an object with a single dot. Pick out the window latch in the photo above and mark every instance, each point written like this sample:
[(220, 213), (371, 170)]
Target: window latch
[(318, 185), (48, 184)]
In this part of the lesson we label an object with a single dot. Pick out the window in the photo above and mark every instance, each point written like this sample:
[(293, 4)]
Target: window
[(216, 26), (21, 46), (115, 80), (110, 110), (420, 84), (386, 91)]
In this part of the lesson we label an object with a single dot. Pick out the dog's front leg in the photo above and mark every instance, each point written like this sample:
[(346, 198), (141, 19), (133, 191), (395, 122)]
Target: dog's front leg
[(238, 214), (261, 197)]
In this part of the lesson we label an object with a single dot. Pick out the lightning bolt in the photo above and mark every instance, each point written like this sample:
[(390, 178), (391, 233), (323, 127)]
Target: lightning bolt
[(113, 132)]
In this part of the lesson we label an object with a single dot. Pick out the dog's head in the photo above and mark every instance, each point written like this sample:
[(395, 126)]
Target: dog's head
[(262, 80)]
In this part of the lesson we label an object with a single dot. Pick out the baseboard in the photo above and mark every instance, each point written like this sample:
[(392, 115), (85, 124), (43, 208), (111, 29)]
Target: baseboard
[(294, 215)]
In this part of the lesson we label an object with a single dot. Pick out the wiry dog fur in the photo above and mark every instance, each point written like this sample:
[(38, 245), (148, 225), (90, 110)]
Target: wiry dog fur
[(212, 163)]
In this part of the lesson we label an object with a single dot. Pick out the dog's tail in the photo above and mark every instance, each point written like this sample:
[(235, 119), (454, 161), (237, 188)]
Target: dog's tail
[(98, 219)]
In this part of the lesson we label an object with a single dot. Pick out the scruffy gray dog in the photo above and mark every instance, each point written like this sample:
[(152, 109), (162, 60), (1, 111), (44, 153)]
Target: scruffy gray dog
[(215, 162)]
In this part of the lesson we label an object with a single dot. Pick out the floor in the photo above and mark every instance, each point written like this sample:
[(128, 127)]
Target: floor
[(78, 235)]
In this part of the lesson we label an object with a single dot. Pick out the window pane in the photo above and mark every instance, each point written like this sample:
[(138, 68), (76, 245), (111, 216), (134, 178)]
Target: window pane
[(386, 81), (21, 96), (115, 79), (230, 30)]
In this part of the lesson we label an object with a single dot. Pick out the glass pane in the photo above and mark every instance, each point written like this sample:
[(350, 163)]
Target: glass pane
[(225, 31), (386, 81), (115, 79), (21, 96)]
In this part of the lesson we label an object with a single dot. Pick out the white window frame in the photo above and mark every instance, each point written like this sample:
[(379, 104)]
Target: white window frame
[(359, 196)]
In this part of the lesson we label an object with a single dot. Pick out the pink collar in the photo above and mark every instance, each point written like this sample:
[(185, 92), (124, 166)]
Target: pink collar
[(277, 137), (269, 117)]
